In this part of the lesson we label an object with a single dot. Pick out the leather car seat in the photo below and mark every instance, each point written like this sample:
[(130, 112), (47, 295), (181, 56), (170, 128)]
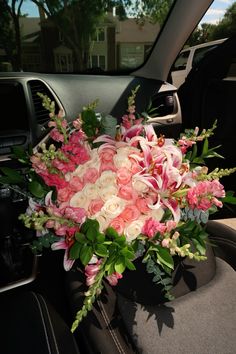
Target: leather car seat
[(29, 325), (200, 320)]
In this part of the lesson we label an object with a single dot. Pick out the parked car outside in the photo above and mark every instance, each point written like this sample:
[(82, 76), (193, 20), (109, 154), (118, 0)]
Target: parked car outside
[(189, 57)]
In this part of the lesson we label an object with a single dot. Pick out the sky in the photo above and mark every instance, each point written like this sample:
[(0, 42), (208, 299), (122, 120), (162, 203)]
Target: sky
[(213, 15)]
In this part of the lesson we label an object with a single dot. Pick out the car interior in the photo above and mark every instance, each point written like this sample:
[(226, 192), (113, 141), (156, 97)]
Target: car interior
[(38, 298)]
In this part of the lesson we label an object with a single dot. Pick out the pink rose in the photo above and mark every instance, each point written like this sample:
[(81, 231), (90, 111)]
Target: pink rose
[(123, 176), (107, 167), (64, 194), (126, 192), (91, 175), (76, 184), (118, 224), (142, 204), (106, 155), (130, 213), (95, 206)]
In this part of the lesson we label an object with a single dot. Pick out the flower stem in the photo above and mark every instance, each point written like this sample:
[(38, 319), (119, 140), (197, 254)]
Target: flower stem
[(90, 296)]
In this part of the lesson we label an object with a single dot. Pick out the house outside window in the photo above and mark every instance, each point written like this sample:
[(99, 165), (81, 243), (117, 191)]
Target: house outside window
[(98, 61), (99, 35), (131, 55), (63, 59)]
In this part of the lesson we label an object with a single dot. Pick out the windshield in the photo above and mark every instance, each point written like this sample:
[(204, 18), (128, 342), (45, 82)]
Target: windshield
[(94, 36)]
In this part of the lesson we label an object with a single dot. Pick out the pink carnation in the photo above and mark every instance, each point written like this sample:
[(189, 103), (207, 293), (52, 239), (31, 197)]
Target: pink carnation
[(152, 226)]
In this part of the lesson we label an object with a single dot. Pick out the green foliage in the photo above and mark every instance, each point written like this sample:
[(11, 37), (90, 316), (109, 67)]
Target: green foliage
[(229, 198), (11, 176), (193, 232), (44, 241), (160, 277), (108, 125)]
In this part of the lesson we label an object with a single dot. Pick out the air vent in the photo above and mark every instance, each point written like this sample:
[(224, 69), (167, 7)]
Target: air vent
[(41, 114)]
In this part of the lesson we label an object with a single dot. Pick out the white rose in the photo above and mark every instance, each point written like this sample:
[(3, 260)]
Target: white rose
[(79, 200), (108, 192), (139, 185), (121, 160), (79, 171), (94, 160), (91, 191), (156, 214), (107, 178), (133, 230), (102, 220), (113, 207)]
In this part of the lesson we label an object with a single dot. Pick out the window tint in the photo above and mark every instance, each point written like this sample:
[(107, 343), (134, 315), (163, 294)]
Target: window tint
[(93, 35), (201, 52)]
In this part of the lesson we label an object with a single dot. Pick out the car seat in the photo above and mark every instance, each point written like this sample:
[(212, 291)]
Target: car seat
[(200, 320)]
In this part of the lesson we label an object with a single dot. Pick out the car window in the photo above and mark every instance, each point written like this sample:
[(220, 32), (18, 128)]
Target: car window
[(181, 61), (81, 36), (200, 53)]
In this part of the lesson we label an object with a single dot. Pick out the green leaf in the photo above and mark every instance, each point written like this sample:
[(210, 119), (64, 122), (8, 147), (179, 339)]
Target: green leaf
[(164, 257), (200, 246), (108, 125), (120, 265), (36, 189), (86, 254), (74, 252), (100, 238), (205, 147), (100, 250), (89, 223), (111, 233), (127, 253), (18, 152), (129, 264), (199, 160), (229, 199), (13, 175), (80, 237), (91, 233)]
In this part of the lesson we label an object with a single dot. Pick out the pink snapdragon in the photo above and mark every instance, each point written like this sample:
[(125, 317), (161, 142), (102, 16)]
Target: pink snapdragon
[(91, 270), (113, 278), (205, 194)]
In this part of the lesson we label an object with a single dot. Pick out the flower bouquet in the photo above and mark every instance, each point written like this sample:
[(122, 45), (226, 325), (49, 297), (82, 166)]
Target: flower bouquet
[(108, 194)]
